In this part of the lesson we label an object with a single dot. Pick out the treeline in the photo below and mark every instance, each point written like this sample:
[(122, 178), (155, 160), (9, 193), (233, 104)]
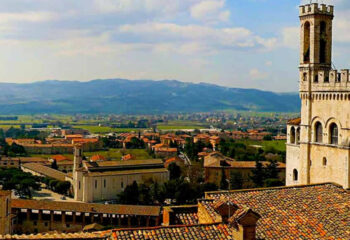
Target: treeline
[(242, 152), (18, 133), (177, 190), (21, 182)]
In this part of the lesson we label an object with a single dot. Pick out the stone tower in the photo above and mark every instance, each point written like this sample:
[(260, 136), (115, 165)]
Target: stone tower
[(78, 183), (78, 157), (5, 212), (318, 147)]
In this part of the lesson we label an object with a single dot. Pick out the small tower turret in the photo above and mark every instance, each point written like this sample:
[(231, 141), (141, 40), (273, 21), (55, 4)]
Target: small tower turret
[(78, 157)]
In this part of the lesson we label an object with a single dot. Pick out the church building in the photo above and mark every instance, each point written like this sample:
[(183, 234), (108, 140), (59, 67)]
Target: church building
[(318, 145)]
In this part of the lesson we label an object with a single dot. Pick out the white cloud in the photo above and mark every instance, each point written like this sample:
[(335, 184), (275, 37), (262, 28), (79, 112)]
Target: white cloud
[(196, 36), (268, 63), (26, 17), (256, 74), (290, 37), (210, 11)]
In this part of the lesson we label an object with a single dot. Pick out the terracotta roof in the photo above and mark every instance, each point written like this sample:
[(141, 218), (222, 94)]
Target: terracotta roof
[(97, 157), (295, 121), (127, 172), (59, 158), (137, 210), (320, 211), (5, 193), (172, 160), (46, 171), (203, 232), (165, 149), (244, 164), (115, 164), (57, 235), (127, 157)]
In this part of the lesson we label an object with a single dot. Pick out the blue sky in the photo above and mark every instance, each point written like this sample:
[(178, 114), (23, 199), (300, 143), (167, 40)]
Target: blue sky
[(235, 43)]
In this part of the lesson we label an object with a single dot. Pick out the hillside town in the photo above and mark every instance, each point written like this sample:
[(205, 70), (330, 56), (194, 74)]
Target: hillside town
[(222, 175)]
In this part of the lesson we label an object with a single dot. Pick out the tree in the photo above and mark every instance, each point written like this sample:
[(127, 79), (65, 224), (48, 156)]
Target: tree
[(272, 170), (223, 182), (144, 195), (236, 180), (63, 187), (258, 176), (157, 192), (54, 165), (130, 195), (175, 171)]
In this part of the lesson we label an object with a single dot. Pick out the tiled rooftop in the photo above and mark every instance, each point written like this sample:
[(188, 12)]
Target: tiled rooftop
[(295, 121), (87, 207), (46, 171), (56, 235), (200, 232), (320, 211)]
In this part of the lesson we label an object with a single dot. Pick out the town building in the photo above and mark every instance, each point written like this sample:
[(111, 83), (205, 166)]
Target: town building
[(103, 180), (318, 146), (216, 164)]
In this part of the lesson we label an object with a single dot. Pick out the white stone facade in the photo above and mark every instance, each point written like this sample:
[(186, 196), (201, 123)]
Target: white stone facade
[(318, 146)]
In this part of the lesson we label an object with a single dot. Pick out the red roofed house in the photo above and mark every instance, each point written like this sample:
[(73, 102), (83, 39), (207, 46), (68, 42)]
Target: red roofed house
[(215, 163)]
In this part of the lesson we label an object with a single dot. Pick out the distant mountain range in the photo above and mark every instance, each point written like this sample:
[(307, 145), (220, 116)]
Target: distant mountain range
[(141, 96)]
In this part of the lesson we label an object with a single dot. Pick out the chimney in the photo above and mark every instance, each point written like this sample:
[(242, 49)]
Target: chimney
[(244, 223)]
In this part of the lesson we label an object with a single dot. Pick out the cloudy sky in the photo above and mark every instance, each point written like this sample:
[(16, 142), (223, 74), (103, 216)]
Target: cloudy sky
[(235, 43)]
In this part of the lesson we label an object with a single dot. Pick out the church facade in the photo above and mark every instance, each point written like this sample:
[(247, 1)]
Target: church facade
[(318, 145)]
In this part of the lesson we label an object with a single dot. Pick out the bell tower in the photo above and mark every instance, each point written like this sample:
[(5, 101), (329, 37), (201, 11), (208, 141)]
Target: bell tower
[(316, 42)]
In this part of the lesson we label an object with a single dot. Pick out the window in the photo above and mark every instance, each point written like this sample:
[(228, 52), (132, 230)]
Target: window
[(295, 175), (67, 225), (334, 133), (316, 78), (292, 135), (318, 132), (95, 183), (326, 79), (122, 184), (304, 76), (104, 183), (307, 42), (324, 161), (46, 224), (79, 184), (298, 135)]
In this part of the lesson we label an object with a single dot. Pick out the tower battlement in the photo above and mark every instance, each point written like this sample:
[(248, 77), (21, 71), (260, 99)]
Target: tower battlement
[(315, 8)]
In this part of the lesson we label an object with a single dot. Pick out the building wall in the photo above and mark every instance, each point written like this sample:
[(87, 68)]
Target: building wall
[(214, 175), (102, 188), (9, 163), (293, 162), (5, 213)]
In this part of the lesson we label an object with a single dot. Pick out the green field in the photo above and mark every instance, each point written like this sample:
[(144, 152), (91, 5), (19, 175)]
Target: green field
[(176, 125), (111, 154), (98, 129), (279, 145)]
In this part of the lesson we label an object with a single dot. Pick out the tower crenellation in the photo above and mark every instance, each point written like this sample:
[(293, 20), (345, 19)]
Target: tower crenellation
[(315, 8)]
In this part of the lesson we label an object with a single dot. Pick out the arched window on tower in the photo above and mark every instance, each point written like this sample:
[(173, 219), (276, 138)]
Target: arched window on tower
[(298, 135), (306, 42), (292, 135), (318, 132), (295, 175), (333, 129), (323, 42)]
